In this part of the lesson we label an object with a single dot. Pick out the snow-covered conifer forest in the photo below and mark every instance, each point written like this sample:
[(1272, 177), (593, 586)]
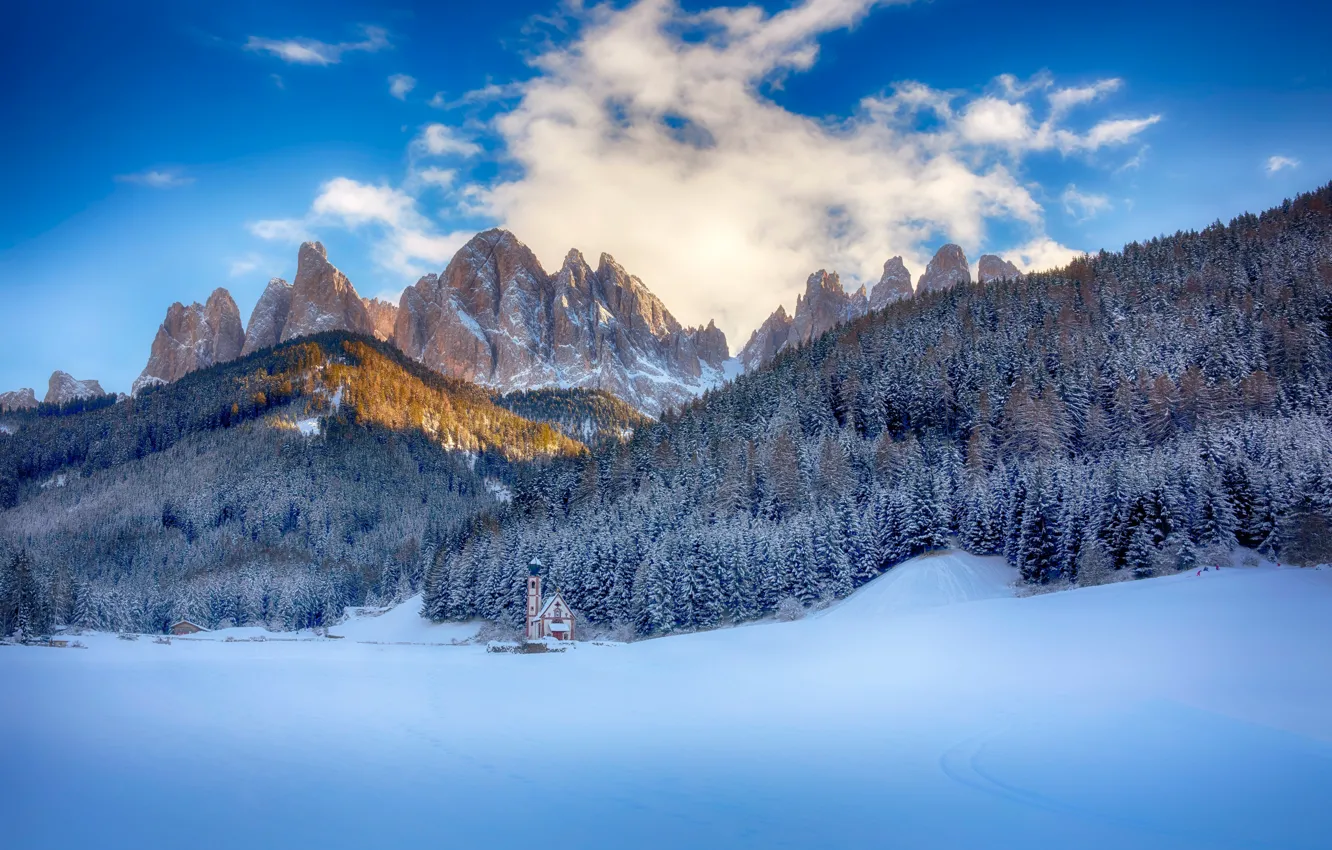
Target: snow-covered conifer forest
[(1136, 412), (1132, 414)]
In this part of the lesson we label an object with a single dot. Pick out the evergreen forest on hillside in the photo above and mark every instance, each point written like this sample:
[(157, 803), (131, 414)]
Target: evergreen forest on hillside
[(1134, 413), (274, 489)]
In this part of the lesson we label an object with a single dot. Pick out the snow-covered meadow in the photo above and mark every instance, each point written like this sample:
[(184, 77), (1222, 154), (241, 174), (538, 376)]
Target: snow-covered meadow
[(930, 709)]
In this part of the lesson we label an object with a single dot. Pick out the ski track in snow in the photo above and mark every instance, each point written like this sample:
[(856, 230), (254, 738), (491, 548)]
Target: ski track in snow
[(930, 709)]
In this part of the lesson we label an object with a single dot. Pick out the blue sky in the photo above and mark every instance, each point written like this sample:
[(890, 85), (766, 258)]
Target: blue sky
[(155, 151)]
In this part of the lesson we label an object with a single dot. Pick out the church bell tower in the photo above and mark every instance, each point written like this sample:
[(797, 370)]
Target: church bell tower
[(533, 629)]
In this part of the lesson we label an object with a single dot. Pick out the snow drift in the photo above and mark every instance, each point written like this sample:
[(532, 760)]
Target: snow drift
[(929, 710)]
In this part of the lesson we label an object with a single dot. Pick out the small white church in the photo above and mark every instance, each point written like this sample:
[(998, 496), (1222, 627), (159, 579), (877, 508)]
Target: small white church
[(551, 619)]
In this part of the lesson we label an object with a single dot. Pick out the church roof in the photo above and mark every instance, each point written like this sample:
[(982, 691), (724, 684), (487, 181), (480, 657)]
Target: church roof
[(550, 602)]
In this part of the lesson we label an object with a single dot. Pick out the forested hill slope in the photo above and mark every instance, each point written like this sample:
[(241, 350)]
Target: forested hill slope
[(276, 488), (1137, 411), (590, 416)]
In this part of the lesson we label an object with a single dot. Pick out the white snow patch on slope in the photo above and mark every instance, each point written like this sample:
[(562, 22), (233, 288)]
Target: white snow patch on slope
[(403, 623), (308, 426), (6, 428), (946, 578)]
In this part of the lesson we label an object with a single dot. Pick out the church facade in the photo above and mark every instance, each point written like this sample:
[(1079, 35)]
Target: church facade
[(549, 618)]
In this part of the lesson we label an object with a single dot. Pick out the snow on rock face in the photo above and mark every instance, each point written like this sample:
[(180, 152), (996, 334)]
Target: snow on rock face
[(24, 399), (497, 318), (194, 337), (322, 299), (946, 270), (893, 286), (992, 267), (65, 387), (268, 317)]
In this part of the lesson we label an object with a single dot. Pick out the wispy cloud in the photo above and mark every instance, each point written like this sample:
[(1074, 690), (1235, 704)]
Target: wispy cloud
[(1134, 162), (156, 179), (400, 85), (310, 51), (1083, 206), (1278, 163), (289, 230), (250, 263), (489, 93), (407, 237)]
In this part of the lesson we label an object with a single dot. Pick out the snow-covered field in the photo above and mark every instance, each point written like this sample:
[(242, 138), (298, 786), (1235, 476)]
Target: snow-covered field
[(931, 709)]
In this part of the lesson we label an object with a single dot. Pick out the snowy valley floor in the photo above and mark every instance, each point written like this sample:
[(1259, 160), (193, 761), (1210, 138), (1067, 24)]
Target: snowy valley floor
[(931, 709)]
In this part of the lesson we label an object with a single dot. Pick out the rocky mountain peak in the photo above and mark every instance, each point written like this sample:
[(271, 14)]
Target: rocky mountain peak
[(268, 317), (766, 340), (893, 286), (824, 305), (947, 269), (193, 337), (22, 399), (322, 298), (992, 267), (496, 317), (65, 387)]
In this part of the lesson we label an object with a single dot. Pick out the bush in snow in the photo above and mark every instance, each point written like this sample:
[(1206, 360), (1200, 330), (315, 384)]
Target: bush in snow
[(790, 609)]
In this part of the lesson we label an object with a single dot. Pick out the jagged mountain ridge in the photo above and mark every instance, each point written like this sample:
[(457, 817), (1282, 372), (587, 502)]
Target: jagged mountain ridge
[(193, 337), (494, 317), (825, 304), (64, 387)]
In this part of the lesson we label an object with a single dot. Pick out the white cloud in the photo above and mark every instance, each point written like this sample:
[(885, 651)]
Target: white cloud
[(408, 242), (1041, 254), (432, 176), (1083, 206), (309, 51), (1277, 163), (646, 131), (442, 140), (1062, 100), (648, 135), (156, 179), (287, 230), (400, 84)]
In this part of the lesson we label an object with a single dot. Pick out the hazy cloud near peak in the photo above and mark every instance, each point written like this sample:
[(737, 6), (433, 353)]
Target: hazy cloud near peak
[(409, 244), (663, 149), (648, 133)]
